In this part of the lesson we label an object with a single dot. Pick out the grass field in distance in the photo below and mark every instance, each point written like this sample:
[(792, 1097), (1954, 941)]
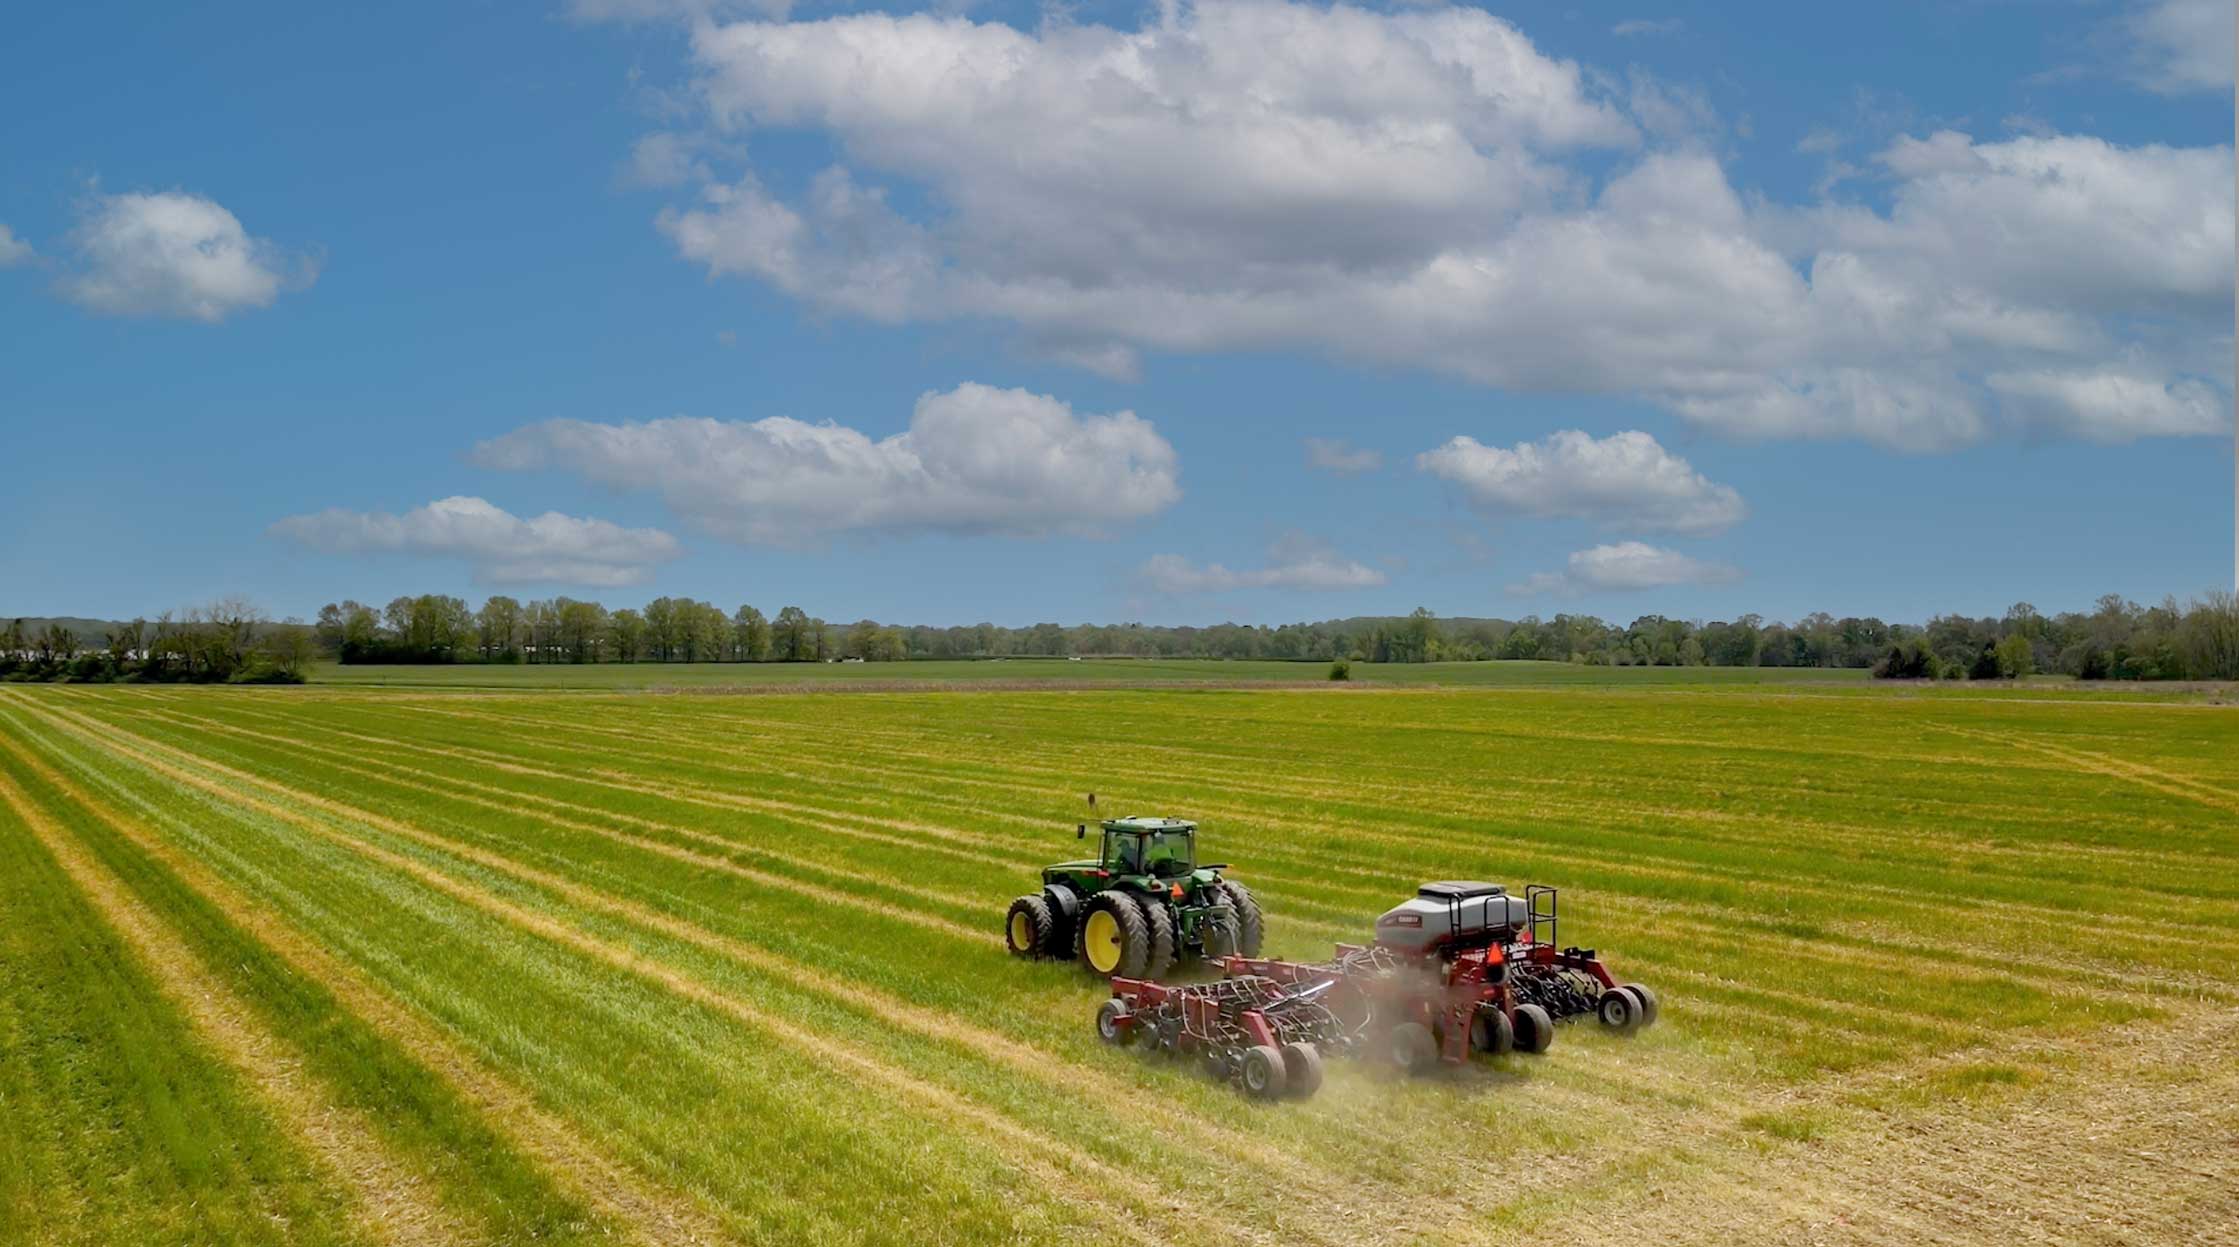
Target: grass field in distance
[(486, 965)]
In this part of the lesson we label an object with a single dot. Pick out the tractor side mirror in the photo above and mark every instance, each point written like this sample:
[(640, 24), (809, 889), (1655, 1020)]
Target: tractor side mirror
[(1080, 831)]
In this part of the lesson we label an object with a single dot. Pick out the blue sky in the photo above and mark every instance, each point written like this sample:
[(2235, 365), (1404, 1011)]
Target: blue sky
[(1740, 308)]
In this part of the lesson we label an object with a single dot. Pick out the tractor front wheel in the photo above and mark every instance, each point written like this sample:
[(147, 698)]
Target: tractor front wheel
[(1026, 929), (1114, 938), (1263, 1074)]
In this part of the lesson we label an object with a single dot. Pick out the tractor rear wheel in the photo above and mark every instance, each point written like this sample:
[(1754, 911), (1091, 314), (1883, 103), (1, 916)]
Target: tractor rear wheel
[(1160, 921), (1263, 1074), (1114, 937), (1490, 1032), (1302, 1069), (1412, 1048), (1027, 928), (1534, 1029), (1251, 925), (1618, 1009), (1647, 1003)]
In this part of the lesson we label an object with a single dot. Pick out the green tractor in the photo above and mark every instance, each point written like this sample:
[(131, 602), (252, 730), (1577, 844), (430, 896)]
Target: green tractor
[(1142, 905)]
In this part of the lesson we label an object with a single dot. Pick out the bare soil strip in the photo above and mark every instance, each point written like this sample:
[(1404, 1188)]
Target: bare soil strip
[(1085, 1181), (392, 1201), (649, 1216)]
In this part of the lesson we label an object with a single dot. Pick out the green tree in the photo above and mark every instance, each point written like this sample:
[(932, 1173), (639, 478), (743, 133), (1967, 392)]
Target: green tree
[(625, 632), (750, 635), (497, 627), (789, 637), (2016, 657)]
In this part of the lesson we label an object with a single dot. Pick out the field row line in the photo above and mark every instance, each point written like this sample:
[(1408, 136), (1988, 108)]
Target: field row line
[(2056, 974), (1254, 818), (2059, 975), (389, 1200), (1430, 783), (818, 1045), (652, 1217), (1822, 1005)]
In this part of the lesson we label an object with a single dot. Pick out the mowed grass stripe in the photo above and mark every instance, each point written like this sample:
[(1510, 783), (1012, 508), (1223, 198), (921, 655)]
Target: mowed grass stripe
[(1571, 831), (1622, 880), (1375, 1133), (464, 1134), (1844, 1035), (1089, 1180), (554, 1146), (1240, 767), (119, 1122), (1859, 1046), (928, 1020), (1839, 983), (391, 1201)]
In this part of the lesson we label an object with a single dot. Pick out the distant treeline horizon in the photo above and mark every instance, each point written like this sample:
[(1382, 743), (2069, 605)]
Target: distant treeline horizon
[(2116, 639)]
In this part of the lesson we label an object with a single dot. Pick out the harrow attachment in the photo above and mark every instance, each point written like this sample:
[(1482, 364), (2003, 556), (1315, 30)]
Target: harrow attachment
[(1266, 1037), (1461, 969)]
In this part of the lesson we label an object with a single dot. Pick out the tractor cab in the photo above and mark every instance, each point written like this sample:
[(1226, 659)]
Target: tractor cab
[(1162, 847)]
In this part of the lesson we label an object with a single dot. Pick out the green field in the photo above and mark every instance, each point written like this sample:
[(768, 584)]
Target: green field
[(479, 965), (1050, 671)]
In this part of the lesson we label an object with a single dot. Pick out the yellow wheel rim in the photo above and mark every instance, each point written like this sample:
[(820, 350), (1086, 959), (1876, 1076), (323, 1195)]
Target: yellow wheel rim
[(1100, 941), (1022, 932)]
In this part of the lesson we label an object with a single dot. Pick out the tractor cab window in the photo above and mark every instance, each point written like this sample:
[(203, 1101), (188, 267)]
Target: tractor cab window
[(1168, 855), (1123, 853)]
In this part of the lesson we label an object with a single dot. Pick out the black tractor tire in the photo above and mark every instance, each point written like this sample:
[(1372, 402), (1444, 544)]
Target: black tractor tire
[(1302, 1069), (1160, 920), (1061, 926), (1130, 930), (1412, 1048), (1263, 1075), (1534, 1029), (1251, 925), (1027, 928), (1618, 1009), (1490, 1032), (1108, 1026), (1647, 1003)]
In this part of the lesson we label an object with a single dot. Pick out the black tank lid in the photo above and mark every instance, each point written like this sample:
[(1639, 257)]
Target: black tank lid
[(1458, 890)]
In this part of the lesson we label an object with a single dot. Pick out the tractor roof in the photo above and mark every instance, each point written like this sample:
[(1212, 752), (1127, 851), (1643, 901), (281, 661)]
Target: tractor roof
[(1142, 825)]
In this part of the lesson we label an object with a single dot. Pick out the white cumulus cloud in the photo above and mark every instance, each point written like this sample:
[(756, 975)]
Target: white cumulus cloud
[(503, 548), (975, 460), (169, 253), (1623, 567), (1626, 479), (1425, 188), (2182, 45), (13, 250), (1295, 562), (1333, 454)]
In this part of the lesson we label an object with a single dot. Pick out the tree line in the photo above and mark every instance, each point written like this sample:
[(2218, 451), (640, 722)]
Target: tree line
[(2116, 639), (228, 641)]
